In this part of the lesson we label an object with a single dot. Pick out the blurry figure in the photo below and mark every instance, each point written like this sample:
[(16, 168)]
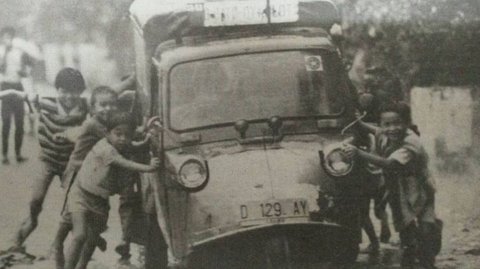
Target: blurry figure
[(14, 64), (31, 117)]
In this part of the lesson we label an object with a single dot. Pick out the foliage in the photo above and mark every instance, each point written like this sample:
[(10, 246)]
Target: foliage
[(77, 20), (423, 42)]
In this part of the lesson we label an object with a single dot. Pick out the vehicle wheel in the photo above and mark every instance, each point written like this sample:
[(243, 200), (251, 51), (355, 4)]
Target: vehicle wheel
[(155, 248), (348, 254)]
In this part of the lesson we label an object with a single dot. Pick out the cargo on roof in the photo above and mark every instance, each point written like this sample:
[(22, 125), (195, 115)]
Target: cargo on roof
[(167, 18)]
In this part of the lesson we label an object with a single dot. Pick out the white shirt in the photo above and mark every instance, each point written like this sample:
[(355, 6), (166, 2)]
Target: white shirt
[(13, 64)]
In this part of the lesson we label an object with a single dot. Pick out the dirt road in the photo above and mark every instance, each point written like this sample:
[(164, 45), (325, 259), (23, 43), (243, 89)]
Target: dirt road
[(457, 204)]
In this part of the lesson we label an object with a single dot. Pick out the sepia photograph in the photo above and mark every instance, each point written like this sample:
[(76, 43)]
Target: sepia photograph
[(233, 134)]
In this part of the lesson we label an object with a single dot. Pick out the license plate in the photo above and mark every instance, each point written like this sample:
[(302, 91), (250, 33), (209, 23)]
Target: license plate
[(249, 12), (273, 211)]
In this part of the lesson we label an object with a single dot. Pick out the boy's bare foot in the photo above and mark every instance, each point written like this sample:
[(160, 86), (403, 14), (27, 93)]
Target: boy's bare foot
[(123, 249), (101, 244), (21, 159), (124, 261), (5, 161), (373, 248), (385, 235)]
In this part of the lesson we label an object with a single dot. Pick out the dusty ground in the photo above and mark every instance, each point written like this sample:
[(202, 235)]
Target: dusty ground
[(457, 201)]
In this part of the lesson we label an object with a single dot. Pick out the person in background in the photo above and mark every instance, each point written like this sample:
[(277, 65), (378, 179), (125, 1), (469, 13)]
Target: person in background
[(104, 172), (11, 93), (56, 114), (411, 189), (13, 67)]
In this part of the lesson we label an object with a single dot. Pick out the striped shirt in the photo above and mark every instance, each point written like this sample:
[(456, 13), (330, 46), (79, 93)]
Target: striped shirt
[(54, 119)]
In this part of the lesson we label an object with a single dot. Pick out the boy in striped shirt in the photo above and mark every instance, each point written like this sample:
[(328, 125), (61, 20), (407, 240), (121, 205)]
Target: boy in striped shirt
[(56, 114)]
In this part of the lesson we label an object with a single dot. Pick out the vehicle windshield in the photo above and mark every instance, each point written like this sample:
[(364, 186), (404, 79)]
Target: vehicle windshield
[(254, 86)]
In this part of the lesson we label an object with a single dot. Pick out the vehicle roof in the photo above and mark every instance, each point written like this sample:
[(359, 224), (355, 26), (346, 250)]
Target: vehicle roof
[(171, 54), (160, 20)]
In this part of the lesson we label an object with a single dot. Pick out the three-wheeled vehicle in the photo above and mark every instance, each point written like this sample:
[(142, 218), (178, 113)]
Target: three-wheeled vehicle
[(251, 97)]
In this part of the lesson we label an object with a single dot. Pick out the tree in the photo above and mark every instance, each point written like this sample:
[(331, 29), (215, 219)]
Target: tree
[(423, 42), (104, 22)]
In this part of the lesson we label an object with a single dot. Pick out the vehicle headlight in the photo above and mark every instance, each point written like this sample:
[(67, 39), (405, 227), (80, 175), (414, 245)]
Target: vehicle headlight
[(336, 163), (193, 175)]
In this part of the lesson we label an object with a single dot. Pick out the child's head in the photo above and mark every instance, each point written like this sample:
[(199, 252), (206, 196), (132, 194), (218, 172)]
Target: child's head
[(395, 118), (102, 101), (70, 85), (120, 128)]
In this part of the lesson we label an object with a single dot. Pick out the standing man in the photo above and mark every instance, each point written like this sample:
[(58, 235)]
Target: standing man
[(13, 67)]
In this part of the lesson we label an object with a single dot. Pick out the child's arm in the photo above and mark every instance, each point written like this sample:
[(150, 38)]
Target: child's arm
[(137, 167), (71, 134), (125, 84), (11, 92), (368, 127), (142, 143), (380, 161)]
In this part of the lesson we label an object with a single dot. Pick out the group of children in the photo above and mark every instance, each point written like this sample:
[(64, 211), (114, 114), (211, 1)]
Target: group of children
[(92, 159), (408, 185)]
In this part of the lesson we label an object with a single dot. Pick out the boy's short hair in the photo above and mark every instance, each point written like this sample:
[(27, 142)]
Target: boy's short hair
[(101, 90), (7, 30), (70, 80), (404, 111), (119, 118), (401, 108)]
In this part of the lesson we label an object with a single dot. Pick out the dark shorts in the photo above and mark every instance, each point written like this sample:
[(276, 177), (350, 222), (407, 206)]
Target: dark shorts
[(373, 189), (81, 201)]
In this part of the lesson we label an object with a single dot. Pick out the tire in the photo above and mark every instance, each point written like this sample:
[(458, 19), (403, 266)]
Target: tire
[(347, 255)]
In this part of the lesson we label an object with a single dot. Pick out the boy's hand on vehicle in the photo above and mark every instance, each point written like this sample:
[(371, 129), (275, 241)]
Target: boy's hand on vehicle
[(140, 129), (147, 138), (350, 150), (155, 162), (173, 262), (358, 114)]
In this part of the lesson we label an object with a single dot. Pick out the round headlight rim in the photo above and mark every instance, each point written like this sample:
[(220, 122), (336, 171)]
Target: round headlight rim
[(204, 166), (332, 172)]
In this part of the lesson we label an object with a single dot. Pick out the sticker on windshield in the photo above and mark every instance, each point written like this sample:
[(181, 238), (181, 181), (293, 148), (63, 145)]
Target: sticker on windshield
[(313, 63)]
